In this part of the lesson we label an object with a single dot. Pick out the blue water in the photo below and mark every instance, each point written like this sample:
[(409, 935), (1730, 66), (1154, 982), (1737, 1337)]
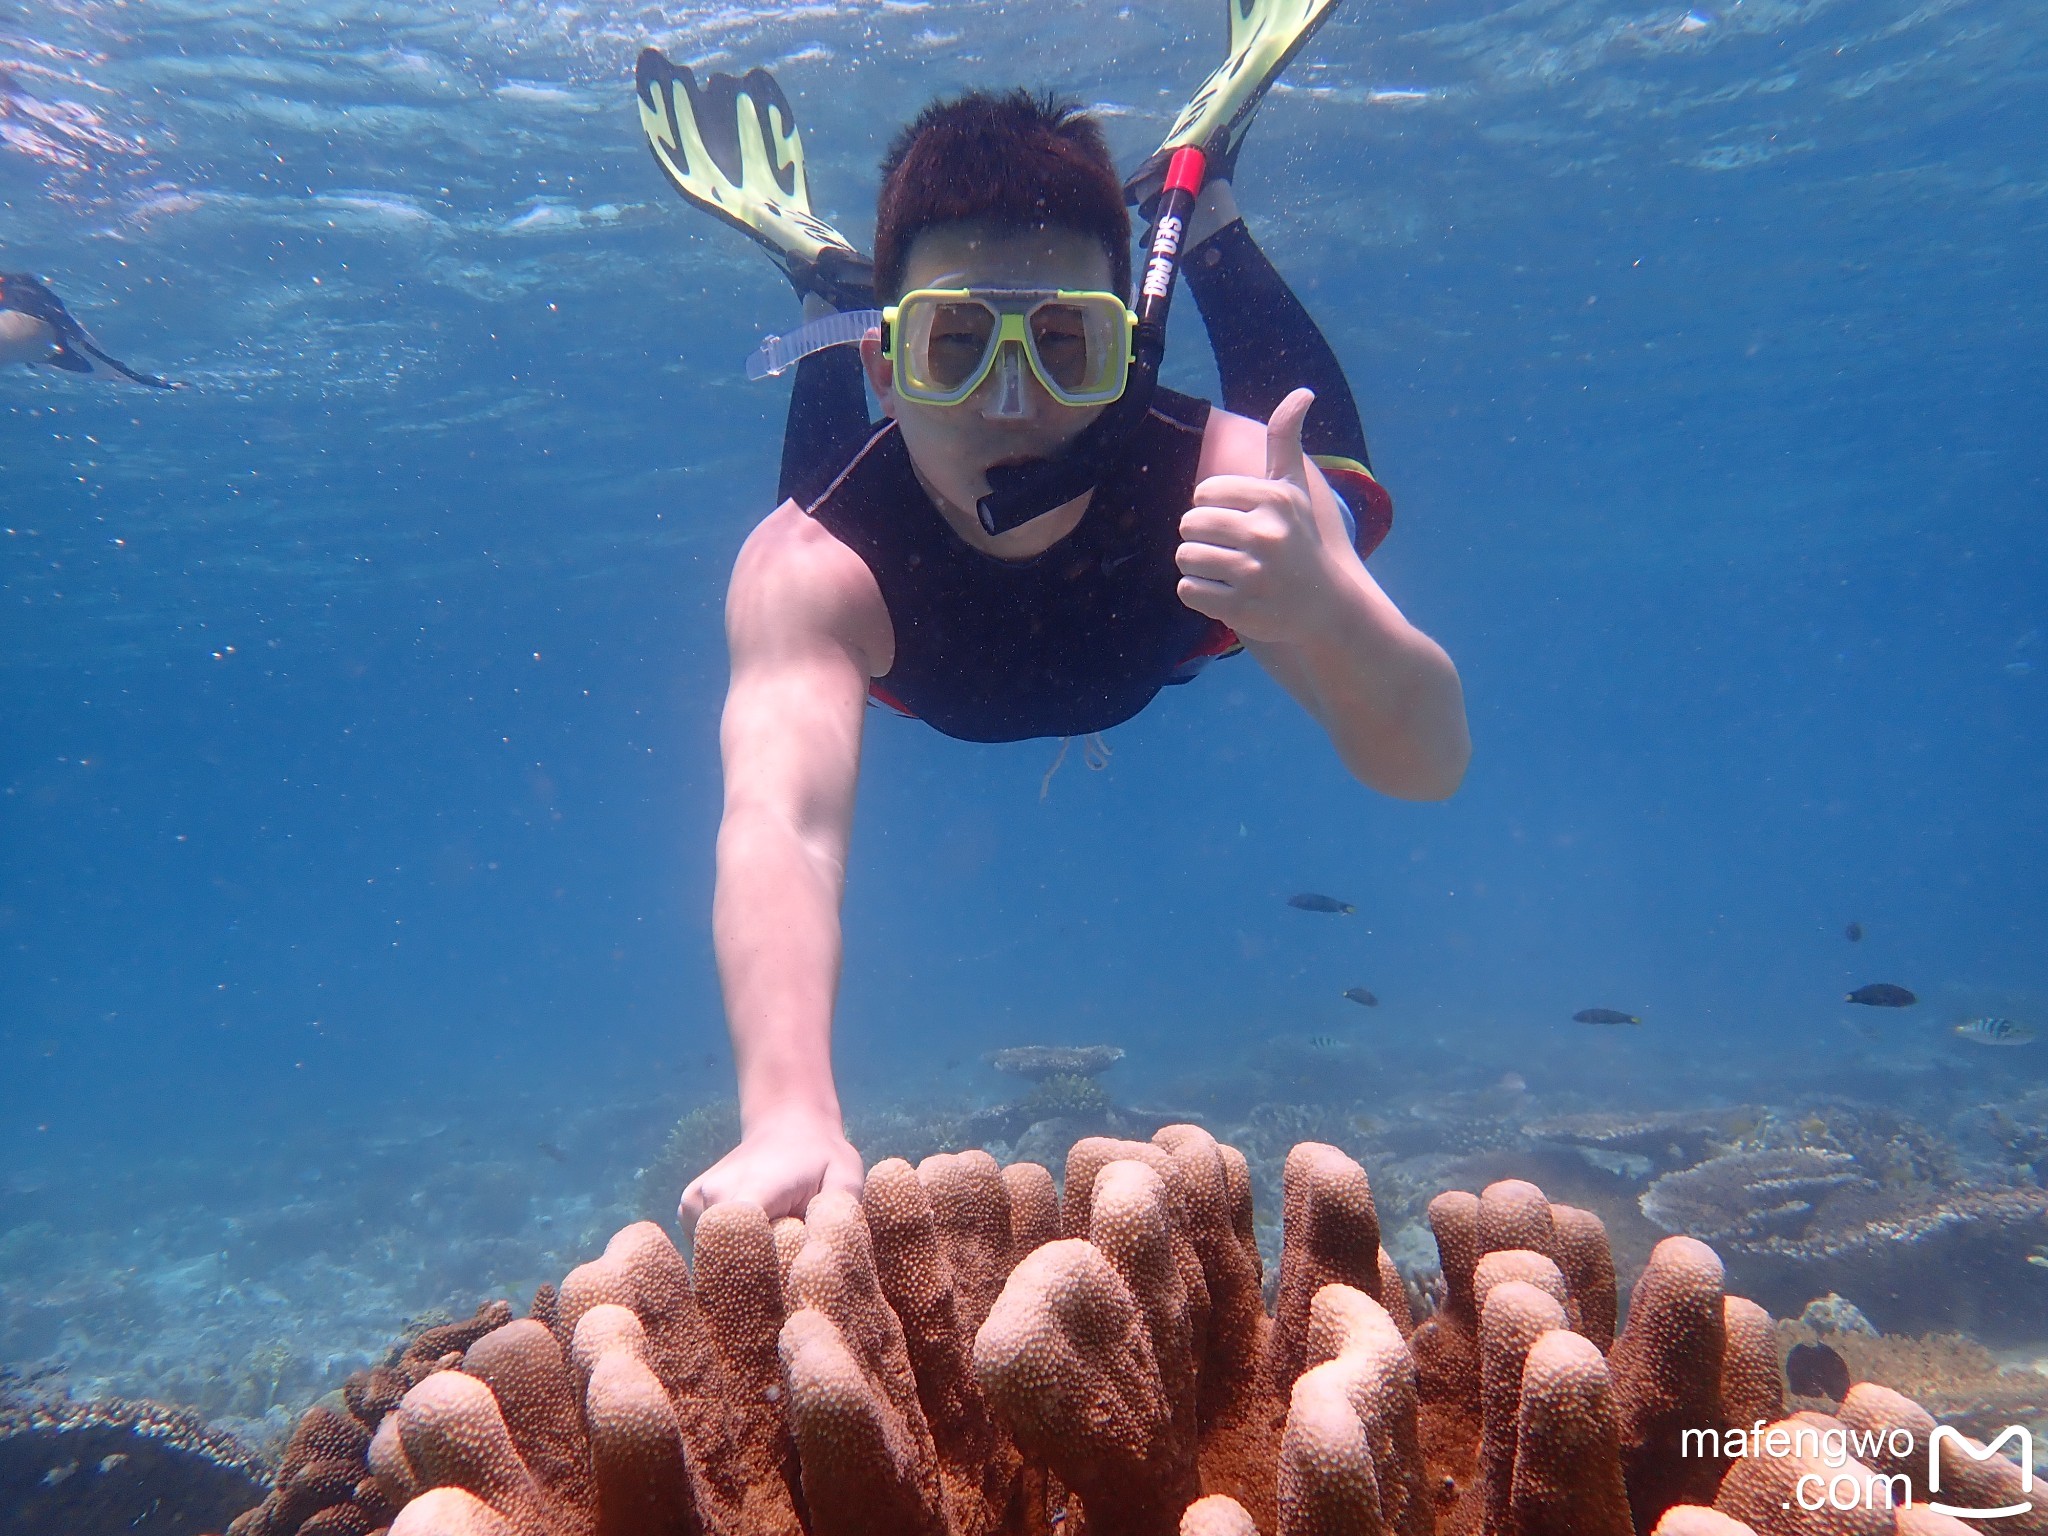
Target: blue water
[(361, 698)]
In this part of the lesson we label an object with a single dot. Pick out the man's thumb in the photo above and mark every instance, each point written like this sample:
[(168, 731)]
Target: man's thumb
[(1283, 439)]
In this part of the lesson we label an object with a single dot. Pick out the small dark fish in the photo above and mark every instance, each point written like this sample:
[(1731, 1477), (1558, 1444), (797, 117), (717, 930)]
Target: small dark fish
[(1604, 1016), (1325, 1043), (1881, 994), (1815, 1370), (1309, 901), (1360, 996), (550, 1150), (1853, 933)]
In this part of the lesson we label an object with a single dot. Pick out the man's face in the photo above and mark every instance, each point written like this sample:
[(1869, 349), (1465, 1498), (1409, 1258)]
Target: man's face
[(954, 446)]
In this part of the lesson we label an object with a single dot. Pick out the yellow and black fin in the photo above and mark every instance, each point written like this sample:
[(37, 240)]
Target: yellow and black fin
[(730, 146), (1265, 35)]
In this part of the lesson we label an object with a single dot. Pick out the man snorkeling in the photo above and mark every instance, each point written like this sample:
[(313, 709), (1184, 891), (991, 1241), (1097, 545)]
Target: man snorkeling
[(1038, 537)]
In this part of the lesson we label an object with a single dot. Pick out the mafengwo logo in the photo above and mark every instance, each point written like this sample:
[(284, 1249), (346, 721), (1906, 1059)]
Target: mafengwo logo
[(2026, 1460), (1849, 1455)]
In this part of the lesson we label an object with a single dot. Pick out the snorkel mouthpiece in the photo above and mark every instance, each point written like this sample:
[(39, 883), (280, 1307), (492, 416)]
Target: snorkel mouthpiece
[(1007, 402), (1022, 493)]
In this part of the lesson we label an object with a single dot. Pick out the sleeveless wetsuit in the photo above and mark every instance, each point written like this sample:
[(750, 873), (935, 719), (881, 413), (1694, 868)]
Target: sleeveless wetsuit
[(1075, 640)]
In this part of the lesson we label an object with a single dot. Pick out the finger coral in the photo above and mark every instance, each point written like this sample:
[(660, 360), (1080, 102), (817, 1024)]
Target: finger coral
[(964, 1351), (325, 1481)]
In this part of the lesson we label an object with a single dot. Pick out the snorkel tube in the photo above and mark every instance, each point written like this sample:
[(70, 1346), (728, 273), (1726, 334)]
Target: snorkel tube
[(1024, 491)]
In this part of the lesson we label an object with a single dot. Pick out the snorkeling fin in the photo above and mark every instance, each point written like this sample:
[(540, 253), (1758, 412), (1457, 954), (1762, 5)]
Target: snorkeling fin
[(1265, 35), (71, 349), (731, 147), (77, 353)]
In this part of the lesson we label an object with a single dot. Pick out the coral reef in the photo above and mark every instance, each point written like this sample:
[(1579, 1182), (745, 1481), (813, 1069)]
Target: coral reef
[(1955, 1379), (1888, 1224), (247, 1270), (1037, 1062), (699, 1138), (1458, 1122), (1064, 1103), (324, 1485), (959, 1353), (1659, 1140), (2015, 1133), (1269, 1131), (1065, 1096), (1924, 1232), (911, 1134), (1835, 1314), (1752, 1200), (106, 1467)]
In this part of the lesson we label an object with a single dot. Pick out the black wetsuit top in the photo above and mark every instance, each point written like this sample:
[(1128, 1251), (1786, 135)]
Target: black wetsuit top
[(1075, 640)]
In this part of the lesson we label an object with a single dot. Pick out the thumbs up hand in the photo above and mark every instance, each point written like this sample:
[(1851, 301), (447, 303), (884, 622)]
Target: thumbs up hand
[(1255, 554)]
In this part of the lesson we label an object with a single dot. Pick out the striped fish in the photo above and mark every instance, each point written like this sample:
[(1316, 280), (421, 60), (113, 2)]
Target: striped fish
[(1995, 1032)]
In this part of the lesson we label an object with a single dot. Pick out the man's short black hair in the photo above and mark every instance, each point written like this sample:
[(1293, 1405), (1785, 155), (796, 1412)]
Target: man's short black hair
[(1013, 160)]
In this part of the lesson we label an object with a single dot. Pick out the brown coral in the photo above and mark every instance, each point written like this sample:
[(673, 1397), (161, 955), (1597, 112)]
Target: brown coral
[(1969, 1478), (1067, 1363), (1513, 1315), (869, 1459), (325, 1473), (1327, 1482), (1587, 1262), (1667, 1377), (1353, 1338), (1693, 1520), (932, 1359), (1332, 1237), (1567, 1478), (1764, 1490)]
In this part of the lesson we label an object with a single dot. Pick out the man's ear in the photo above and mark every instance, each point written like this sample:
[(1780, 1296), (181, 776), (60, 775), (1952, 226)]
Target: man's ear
[(880, 371)]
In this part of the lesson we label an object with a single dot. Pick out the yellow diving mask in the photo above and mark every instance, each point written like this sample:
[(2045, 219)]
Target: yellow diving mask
[(944, 343)]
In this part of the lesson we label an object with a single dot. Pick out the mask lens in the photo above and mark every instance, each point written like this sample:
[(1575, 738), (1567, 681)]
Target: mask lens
[(957, 344), (1067, 351)]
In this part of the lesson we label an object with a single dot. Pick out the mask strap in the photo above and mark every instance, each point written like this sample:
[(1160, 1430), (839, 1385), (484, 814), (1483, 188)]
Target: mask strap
[(778, 354)]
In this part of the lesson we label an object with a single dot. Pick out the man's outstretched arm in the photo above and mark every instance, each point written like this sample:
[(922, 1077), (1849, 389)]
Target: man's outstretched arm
[(1267, 555), (790, 741)]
